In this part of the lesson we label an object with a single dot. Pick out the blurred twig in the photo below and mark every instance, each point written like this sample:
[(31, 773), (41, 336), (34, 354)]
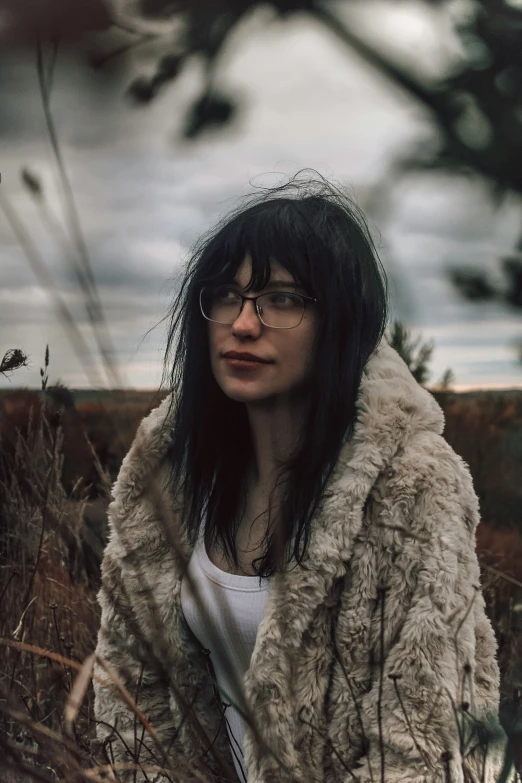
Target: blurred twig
[(82, 267), (46, 281)]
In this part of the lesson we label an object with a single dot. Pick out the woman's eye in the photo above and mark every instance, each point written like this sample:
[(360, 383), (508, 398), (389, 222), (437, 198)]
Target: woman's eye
[(283, 299)]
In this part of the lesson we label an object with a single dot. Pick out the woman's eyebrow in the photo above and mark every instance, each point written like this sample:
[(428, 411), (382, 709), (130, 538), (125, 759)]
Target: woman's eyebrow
[(278, 284)]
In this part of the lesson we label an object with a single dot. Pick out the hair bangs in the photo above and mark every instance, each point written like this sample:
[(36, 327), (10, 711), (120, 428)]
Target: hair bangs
[(273, 231)]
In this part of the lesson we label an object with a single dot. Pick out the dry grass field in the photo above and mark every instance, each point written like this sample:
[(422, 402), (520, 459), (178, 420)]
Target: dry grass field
[(58, 458)]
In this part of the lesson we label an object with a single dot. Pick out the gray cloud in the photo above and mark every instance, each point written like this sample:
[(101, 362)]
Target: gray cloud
[(144, 197)]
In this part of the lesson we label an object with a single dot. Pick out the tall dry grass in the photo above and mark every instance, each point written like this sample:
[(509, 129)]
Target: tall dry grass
[(47, 598)]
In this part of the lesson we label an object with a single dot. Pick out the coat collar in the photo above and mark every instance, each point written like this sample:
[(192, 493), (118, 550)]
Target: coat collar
[(391, 408)]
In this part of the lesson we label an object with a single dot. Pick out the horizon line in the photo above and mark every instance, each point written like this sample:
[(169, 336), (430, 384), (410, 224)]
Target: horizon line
[(154, 389)]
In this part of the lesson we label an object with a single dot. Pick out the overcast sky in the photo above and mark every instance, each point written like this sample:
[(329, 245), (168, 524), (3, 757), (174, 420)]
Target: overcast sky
[(144, 196)]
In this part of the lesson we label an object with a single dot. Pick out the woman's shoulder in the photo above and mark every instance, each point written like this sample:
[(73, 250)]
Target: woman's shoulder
[(148, 448), (427, 459), (429, 486)]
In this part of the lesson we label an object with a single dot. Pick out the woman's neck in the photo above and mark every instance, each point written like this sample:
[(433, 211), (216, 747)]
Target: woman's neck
[(274, 431)]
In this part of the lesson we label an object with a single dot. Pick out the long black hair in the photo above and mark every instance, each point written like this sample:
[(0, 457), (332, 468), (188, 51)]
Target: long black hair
[(321, 237)]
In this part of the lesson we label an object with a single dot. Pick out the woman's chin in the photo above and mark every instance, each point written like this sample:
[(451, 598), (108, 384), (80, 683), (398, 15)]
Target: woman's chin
[(245, 396), (241, 393)]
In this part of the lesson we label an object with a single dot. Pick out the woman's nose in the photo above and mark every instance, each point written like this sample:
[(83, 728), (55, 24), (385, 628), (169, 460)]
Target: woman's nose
[(247, 318)]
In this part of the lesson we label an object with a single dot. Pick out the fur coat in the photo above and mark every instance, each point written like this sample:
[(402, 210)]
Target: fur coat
[(379, 657)]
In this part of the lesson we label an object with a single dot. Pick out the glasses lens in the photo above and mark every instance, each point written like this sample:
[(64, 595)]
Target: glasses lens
[(279, 308), (220, 304)]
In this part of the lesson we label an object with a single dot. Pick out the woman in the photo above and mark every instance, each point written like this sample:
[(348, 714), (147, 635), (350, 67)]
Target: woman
[(290, 590)]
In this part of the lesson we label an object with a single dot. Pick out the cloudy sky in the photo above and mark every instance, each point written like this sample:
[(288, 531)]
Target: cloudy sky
[(144, 196)]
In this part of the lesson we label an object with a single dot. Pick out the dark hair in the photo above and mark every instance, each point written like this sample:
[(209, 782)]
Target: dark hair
[(320, 236)]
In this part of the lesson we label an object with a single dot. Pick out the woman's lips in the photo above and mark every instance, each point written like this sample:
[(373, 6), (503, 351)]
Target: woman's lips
[(243, 364)]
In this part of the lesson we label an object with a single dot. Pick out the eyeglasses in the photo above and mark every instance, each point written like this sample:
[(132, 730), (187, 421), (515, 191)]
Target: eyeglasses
[(278, 309)]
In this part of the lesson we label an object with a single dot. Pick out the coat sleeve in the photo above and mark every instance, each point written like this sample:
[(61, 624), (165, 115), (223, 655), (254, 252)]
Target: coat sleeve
[(431, 714), (121, 645)]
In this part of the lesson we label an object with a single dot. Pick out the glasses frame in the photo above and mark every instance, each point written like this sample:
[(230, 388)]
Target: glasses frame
[(254, 300)]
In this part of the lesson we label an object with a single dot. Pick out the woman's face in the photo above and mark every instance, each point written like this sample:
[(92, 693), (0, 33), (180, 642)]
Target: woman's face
[(287, 349)]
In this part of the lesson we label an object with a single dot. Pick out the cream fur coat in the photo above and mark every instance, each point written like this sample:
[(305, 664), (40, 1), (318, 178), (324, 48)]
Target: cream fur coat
[(380, 657)]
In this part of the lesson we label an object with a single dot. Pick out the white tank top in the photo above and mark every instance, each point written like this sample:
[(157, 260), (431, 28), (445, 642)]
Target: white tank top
[(237, 630)]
